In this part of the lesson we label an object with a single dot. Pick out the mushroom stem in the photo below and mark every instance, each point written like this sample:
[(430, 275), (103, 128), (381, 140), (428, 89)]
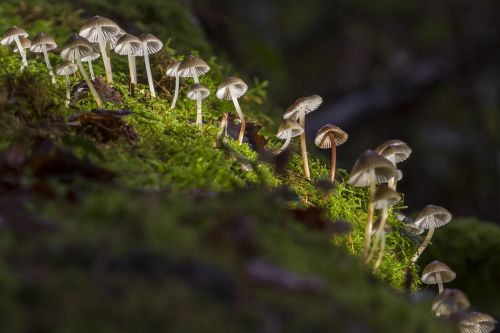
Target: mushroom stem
[(369, 215), (105, 58), (334, 157), (422, 247), (176, 94), (240, 114), (89, 83), (285, 145), (198, 112), (22, 52), (195, 76), (131, 74), (68, 90), (91, 69), (380, 253), (49, 67), (392, 183), (303, 146), (148, 71)]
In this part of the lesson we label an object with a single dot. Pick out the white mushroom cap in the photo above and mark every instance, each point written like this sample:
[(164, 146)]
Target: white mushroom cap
[(198, 91), (323, 136), (128, 44), (76, 47), (367, 161), (152, 43), (25, 43), (303, 105), (193, 64), (237, 85), (476, 322), (173, 68), (394, 150), (9, 36), (432, 217), (66, 67), (99, 26), (289, 129), (429, 275), (42, 42), (450, 301), (386, 195), (95, 54)]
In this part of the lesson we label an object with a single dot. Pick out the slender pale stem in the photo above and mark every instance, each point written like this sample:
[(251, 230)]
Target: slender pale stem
[(380, 234), (176, 94), (392, 183), (422, 247), (91, 69), (240, 114), (303, 146), (369, 217), (334, 158), (105, 58), (439, 282), (89, 83), (68, 90), (49, 67), (380, 253), (195, 76), (133, 74), (285, 145), (148, 71), (22, 52), (198, 112)]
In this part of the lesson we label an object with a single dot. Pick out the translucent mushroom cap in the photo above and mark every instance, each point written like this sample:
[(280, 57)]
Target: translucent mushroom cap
[(127, 44), (432, 217), (42, 42), (324, 136), (450, 301), (289, 129), (366, 162), (9, 36), (192, 65), (233, 85), (198, 91), (25, 43), (76, 47), (435, 268), (92, 55), (152, 43), (66, 67), (476, 322), (376, 226), (394, 150), (98, 26), (387, 196), (173, 69), (303, 105)]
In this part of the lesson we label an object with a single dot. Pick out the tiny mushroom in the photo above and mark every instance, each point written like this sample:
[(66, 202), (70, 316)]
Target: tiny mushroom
[(431, 217), (14, 35), (395, 151), (368, 170), (101, 30), (173, 71), (288, 130), (42, 43), (297, 111), (76, 48), (25, 43), (150, 44), (193, 67), (198, 92), (128, 45), (449, 302), (233, 88), (476, 322), (437, 273), (331, 136), (66, 68), (89, 58)]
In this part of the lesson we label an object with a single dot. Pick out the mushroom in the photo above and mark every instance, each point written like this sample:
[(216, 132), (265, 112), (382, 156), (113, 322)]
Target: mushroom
[(448, 302), (330, 136), (14, 35), (128, 45), (395, 151), (438, 273), (297, 111), (288, 130), (76, 48), (42, 43), (198, 92), (89, 58), (476, 322), (100, 30), (233, 88), (66, 68), (193, 67), (25, 43), (368, 170), (173, 71), (150, 44), (431, 217)]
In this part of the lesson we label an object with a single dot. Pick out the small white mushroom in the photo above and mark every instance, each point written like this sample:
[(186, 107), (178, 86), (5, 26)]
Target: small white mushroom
[(66, 68), (13, 35), (288, 130), (129, 45), (231, 89), (198, 92), (150, 45), (173, 71)]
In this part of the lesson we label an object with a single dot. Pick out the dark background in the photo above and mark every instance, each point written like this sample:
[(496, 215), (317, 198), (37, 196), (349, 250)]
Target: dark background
[(426, 72)]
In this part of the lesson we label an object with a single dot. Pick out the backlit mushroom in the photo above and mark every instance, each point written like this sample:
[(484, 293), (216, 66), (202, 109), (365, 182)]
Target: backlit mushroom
[(476, 322), (13, 35), (128, 45), (438, 273), (66, 68), (193, 67), (42, 43), (369, 170), (297, 111), (89, 58), (198, 92), (76, 48), (431, 217), (331, 136), (288, 130), (449, 302), (100, 30), (173, 71), (395, 151), (150, 44), (233, 88)]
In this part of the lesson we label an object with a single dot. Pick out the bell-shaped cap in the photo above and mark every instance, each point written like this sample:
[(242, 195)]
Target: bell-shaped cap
[(92, 55), (198, 91), (42, 42), (476, 322), (192, 65), (127, 44), (150, 42), (66, 67), (303, 105), (10, 34), (231, 85), (76, 47), (99, 27), (289, 129), (371, 164), (384, 195), (394, 150), (432, 217), (435, 268), (450, 301), (25, 43), (173, 69), (325, 134)]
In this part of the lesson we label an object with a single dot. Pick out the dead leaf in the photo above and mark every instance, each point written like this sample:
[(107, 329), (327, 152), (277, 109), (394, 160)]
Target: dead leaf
[(106, 92)]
